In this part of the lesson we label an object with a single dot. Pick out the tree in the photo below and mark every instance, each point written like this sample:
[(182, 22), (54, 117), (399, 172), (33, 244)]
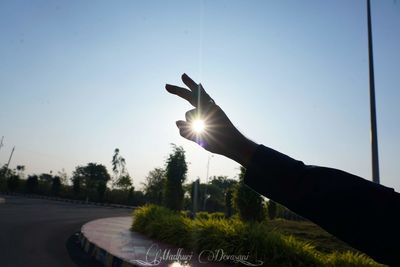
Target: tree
[(92, 178), (20, 170), (56, 185), (76, 184), (9, 180), (215, 198), (125, 182), (13, 182), (45, 181), (121, 179), (176, 169), (3, 177), (249, 204), (46, 178), (223, 182), (216, 190), (154, 186), (63, 176), (32, 184), (228, 203)]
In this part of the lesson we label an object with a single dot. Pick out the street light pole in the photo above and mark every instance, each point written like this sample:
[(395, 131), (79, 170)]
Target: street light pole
[(195, 195), (205, 188), (8, 163), (1, 142), (9, 159), (374, 135)]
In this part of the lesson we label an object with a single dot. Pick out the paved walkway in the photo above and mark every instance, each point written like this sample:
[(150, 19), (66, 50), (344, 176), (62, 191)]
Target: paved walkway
[(117, 245)]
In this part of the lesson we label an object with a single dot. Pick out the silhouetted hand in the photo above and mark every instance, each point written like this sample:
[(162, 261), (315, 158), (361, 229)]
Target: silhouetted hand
[(220, 135)]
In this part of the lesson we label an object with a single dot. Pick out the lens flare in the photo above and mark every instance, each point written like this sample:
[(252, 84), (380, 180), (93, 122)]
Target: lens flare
[(198, 126)]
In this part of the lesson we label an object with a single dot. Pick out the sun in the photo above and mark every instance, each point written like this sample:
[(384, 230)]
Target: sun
[(198, 126)]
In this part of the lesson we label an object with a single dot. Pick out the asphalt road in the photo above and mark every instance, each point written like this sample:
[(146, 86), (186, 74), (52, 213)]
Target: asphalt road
[(36, 232)]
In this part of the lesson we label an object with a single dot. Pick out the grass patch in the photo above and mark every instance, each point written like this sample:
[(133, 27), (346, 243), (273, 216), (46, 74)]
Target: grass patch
[(310, 232), (261, 241)]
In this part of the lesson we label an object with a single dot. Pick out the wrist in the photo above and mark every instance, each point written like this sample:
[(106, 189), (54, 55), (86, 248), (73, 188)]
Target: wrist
[(243, 150)]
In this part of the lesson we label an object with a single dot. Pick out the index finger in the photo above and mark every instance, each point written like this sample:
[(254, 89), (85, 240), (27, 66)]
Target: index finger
[(190, 83), (200, 96)]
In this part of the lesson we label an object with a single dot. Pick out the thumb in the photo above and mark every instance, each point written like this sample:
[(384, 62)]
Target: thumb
[(186, 131)]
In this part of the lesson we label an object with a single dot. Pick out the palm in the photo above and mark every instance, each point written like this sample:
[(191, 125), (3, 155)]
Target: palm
[(219, 133)]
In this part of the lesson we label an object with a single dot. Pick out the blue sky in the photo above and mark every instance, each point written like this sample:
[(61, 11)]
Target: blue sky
[(80, 78)]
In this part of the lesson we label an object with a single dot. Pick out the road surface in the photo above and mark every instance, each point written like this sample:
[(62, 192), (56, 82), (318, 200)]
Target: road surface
[(37, 232)]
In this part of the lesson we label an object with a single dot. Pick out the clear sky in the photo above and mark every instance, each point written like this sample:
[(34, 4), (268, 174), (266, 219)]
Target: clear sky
[(80, 78)]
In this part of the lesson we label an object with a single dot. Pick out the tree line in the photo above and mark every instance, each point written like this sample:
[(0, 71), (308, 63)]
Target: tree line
[(166, 186)]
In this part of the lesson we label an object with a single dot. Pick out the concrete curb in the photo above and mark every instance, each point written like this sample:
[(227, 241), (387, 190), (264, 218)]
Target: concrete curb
[(101, 255), (111, 242), (74, 201)]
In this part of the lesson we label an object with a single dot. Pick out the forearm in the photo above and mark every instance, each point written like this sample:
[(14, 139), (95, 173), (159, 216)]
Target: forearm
[(241, 150), (357, 211)]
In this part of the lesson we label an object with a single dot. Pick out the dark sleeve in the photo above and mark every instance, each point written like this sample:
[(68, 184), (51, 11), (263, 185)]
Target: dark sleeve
[(361, 213)]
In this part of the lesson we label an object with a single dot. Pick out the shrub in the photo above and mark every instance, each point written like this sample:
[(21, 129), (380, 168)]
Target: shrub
[(349, 259), (203, 215), (271, 209), (186, 213), (258, 240), (163, 224), (217, 215)]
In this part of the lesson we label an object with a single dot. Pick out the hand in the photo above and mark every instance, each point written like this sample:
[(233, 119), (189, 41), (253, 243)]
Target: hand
[(220, 135)]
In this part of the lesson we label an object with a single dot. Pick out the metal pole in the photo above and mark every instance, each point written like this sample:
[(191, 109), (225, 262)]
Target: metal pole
[(8, 163), (205, 189), (195, 196), (374, 135), (1, 142), (9, 160)]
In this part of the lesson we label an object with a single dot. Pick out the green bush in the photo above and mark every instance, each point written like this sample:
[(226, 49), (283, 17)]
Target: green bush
[(203, 215), (272, 209), (211, 234), (258, 240), (349, 259), (217, 215), (163, 224), (186, 213), (250, 204)]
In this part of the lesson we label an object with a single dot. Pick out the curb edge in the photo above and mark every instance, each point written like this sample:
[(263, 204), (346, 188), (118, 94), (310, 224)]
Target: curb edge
[(101, 255)]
